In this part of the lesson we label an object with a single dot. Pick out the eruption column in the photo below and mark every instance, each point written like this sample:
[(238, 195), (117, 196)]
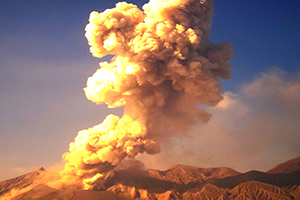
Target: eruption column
[(163, 66)]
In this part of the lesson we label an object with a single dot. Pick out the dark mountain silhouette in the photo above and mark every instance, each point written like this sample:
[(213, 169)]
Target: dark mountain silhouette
[(178, 182)]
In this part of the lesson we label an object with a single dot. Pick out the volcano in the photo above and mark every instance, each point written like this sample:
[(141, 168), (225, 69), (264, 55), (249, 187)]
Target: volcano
[(177, 182)]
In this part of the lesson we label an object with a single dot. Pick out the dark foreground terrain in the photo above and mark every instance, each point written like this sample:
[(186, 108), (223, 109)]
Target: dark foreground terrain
[(178, 182)]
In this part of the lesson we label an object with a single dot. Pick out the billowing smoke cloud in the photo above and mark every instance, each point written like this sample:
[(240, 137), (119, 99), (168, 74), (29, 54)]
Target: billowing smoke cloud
[(253, 129), (164, 66)]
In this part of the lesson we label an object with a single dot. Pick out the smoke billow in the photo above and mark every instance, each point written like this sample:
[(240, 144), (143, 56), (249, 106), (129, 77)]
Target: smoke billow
[(164, 65)]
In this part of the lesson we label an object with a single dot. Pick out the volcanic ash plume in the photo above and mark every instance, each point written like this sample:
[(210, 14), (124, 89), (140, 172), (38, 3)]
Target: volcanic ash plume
[(164, 66)]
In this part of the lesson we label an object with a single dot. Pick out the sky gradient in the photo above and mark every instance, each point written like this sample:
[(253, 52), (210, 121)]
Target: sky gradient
[(45, 62)]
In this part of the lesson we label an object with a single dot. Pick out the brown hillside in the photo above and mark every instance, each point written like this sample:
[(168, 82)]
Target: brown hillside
[(20, 181), (183, 174), (209, 191), (257, 190), (293, 190), (286, 167), (279, 180)]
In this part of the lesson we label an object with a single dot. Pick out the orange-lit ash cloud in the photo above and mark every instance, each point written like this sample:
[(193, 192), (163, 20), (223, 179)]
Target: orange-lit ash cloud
[(164, 66)]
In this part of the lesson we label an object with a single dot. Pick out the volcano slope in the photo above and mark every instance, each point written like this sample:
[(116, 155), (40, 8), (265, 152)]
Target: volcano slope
[(178, 182)]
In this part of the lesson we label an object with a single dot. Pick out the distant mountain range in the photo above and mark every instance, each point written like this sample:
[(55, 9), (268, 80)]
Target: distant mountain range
[(178, 182)]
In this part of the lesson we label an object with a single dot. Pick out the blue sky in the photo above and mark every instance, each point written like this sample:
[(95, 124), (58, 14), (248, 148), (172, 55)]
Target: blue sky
[(45, 62)]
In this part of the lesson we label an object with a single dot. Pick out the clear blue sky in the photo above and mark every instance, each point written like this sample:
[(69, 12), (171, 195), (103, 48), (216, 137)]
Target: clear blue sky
[(45, 62)]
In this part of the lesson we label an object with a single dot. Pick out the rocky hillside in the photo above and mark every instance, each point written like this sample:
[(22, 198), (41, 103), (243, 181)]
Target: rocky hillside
[(178, 182), (20, 182), (286, 167), (183, 174)]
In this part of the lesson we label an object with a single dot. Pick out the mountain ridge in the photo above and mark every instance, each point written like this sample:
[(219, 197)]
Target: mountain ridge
[(286, 167), (177, 182), (20, 181)]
